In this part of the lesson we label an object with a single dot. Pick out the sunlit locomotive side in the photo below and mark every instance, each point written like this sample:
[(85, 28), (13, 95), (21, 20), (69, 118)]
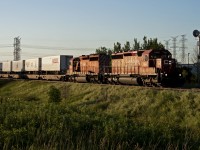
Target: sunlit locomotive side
[(90, 68), (144, 67)]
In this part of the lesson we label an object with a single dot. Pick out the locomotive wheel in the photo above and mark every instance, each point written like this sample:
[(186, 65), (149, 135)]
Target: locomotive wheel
[(140, 81)]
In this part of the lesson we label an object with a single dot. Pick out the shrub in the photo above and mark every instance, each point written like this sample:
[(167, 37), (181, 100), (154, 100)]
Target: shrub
[(31, 98), (54, 94)]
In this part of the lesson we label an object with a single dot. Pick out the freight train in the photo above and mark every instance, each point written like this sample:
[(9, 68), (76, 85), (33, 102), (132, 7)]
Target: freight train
[(143, 67)]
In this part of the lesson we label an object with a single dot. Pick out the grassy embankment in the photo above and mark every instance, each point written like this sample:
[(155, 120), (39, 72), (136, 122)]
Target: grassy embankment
[(97, 117)]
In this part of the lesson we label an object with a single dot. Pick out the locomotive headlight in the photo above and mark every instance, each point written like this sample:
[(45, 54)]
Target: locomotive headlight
[(180, 75), (166, 75)]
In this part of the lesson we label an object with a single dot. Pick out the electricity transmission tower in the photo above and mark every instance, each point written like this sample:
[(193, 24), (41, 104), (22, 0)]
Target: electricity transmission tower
[(17, 48), (174, 39), (183, 48), (167, 44)]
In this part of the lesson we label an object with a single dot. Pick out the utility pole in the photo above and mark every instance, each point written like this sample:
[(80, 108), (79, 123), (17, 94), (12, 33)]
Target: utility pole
[(167, 44), (188, 60), (196, 34), (174, 39), (183, 48), (17, 48)]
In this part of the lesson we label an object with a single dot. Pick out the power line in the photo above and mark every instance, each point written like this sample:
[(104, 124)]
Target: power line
[(47, 47), (5, 46), (55, 48)]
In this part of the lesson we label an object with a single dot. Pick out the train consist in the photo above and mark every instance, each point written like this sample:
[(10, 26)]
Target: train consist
[(143, 67)]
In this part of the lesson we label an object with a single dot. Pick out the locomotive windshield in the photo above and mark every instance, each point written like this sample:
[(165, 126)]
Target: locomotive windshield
[(117, 56), (160, 54)]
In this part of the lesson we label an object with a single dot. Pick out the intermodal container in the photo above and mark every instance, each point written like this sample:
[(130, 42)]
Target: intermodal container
[(18, 66), (58, 63), (7, 66), (33, 64)]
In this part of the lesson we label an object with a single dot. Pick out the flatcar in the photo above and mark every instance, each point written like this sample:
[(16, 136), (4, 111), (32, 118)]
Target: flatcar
[(45, 68)]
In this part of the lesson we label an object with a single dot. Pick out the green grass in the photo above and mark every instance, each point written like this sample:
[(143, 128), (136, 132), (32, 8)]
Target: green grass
[(97, 117)]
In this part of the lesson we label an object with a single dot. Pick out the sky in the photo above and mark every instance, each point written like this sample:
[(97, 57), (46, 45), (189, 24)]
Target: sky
[(78, 27)]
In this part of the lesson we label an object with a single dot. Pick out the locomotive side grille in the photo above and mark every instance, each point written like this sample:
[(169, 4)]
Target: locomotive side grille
[(104, 64)]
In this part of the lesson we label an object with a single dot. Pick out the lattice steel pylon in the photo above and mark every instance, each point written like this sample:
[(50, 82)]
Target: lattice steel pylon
[(17, 49), (167, 44), (183, 48), (174, 39)]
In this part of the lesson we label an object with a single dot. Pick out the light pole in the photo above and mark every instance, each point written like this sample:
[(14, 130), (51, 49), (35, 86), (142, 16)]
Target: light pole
[(196, 34), (188, 60)]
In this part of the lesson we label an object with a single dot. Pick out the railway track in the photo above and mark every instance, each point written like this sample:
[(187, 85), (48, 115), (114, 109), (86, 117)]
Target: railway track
[(194, 89)]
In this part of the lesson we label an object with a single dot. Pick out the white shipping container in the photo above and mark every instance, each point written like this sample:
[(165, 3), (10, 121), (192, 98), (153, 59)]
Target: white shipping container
[(7, 66), (33, 64), (18, 66), (56, 63)]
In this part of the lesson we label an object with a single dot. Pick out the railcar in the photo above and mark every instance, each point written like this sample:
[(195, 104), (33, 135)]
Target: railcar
[(17, 69), (89, 68), (6, 69), (144, 67), (55, 67), (33, 68), (45, 68)]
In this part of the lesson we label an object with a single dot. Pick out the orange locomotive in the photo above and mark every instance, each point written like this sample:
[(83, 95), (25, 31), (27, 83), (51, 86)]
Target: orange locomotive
[(144, 67)]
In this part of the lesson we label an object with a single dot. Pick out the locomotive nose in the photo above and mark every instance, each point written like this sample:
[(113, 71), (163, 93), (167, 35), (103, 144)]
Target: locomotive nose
[(169, 66)]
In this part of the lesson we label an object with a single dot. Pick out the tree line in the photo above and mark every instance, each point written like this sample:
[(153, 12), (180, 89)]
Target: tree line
[(151, 43)]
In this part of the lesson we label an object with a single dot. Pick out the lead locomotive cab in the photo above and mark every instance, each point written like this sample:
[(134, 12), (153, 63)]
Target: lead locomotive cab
[(168, 73), (145, 67)]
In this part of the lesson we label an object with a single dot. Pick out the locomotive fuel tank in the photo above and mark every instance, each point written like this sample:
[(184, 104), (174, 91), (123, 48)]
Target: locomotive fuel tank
[(130, 80), (81, 79)]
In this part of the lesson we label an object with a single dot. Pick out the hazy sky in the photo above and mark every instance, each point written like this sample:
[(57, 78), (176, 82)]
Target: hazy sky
[(80, 26)]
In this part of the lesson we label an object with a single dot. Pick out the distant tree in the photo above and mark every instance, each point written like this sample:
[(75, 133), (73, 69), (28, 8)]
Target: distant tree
[(151, 43), (126, 47), (117, 47), (103, 50), (136, 45), (145, 44), (109, 52)]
